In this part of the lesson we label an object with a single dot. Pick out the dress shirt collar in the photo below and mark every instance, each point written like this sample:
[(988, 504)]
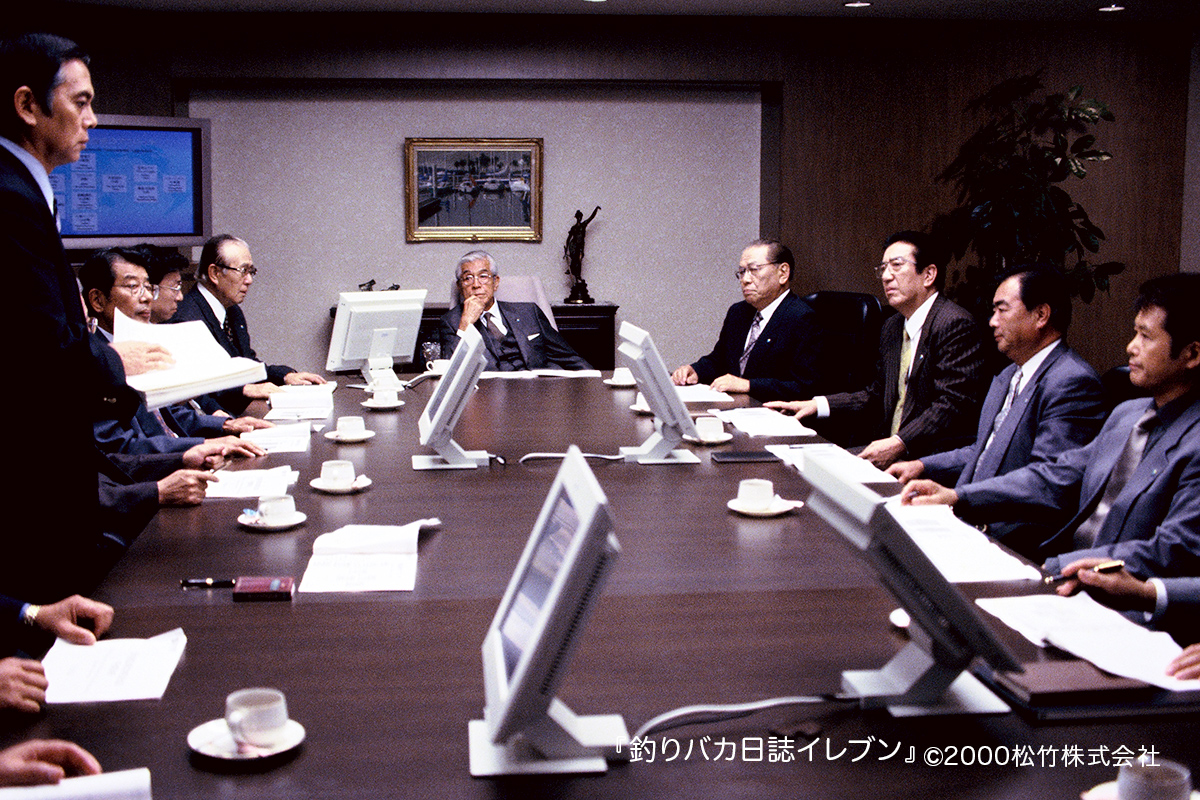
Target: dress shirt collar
[(217, 307), (36, 170), (1030, 367), (108, 337), (913, 324), (771, 308)]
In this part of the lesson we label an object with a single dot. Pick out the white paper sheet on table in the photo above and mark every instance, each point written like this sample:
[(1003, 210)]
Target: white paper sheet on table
[(251, 482), (112, 669), (762, 422), (961, 553), (530, 374), (311, 401), (126, 784), (366, 558), (1088, 630), (702, 393), (291, 437)]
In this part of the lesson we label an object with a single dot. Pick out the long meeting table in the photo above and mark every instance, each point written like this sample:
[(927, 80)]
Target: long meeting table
[(704, 606)]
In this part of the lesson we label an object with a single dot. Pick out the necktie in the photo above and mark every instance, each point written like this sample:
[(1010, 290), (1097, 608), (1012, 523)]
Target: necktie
[(906, 355), (1001, 414), (1127, 462), (755, 329), (228, 328), (492, 328)]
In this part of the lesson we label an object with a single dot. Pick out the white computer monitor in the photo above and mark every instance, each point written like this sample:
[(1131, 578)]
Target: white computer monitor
[(672, 421), (947, 635), (446, 404), (374, 330), (525, 729)]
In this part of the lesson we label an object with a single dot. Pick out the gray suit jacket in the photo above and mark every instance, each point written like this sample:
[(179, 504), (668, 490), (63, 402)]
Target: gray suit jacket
[(540, 344), (1154, 524)]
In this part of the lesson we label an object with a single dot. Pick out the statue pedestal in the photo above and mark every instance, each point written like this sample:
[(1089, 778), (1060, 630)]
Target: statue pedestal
[(579, 293)]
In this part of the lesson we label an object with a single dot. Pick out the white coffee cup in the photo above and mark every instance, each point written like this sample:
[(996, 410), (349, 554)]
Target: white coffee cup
[(439, 366), (257, 717), (1157, 780), (276, 508), (337, 474), (351, 426), (709, 427), (386, 397), (622, 376), (756, 494)]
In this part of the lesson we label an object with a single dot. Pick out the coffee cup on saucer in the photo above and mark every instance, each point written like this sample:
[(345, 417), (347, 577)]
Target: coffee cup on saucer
[(623, 376), (439, 366), (1159, 779), (276, 509), (709, 428), (755, 494), (429, 354), (337, 475), (352, 427), (257, 717), (386, 397)]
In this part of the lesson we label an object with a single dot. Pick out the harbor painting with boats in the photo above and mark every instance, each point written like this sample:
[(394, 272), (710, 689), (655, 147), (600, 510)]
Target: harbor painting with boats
[(473, 189)]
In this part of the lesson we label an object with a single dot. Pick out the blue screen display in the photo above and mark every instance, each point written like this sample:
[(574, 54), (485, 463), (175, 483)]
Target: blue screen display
[(130, 182)]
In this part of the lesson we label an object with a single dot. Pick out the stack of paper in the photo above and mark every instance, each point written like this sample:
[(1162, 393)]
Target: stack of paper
[(285, 438), (252, 482), (529, 374), (127, 784), (313, 401), (112, 669), (366, 558), (961, 553), (763, 422), (201, 365)]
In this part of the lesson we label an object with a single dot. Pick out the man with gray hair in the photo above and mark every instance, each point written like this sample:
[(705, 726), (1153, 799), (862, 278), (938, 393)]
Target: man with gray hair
[(516, 336)]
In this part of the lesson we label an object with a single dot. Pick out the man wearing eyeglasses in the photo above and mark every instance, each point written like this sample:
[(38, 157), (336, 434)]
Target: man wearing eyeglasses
[(516, 336), (931, 377), (223, 277), (770, 346)]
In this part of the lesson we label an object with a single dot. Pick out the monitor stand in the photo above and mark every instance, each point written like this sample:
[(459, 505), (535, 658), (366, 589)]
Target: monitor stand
[(559, 743), (913, 684), (451, 456), (658, 450), (378, 370)]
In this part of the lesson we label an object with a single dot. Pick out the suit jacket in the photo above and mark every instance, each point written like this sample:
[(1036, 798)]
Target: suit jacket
[(945, 385), (1154, 523), (56, 483), (540, 344), (788, 359), (194, 306), (129, 491), (1182, 616)]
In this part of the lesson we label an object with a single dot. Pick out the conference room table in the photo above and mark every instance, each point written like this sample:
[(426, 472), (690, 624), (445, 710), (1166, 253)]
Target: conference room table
[(703, 606)]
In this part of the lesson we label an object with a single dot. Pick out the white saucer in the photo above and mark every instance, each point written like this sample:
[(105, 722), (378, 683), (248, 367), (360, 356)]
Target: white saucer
[(1108, 791), (619, 384), (360, 482), (214, 740), (252, 520), (644, 410), (721, 438), (778, 506), (376, 405), (348, 438)]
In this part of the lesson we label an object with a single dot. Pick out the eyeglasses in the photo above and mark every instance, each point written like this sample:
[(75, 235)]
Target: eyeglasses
[(136, 289), (175, 290), (245, 272), (466, 279), (893, 266), (753, 269)]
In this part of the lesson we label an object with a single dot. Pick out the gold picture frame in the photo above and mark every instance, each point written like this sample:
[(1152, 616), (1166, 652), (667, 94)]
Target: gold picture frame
[(473, 190)]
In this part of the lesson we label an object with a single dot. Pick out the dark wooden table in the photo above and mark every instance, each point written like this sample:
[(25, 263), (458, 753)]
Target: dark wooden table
[(703, 606)]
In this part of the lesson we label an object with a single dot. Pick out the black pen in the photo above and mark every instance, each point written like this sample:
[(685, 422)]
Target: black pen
[(1103, 566), (206, 583)]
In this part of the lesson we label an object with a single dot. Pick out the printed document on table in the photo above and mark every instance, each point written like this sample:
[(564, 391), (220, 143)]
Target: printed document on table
[(313, 401), (126, 784), (763, 422), (290, 437), (544, 372), (112, 669), (1088, 630), (961, 553), (251, 482), (366, 558), (849, 466), (702, 393)]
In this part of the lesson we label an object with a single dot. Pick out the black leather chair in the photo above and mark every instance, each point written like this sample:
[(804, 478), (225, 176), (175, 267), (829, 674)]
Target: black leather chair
[(1117, 387), (852, 321)]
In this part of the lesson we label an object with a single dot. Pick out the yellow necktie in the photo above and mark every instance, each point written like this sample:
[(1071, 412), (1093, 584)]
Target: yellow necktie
[(906, 354)]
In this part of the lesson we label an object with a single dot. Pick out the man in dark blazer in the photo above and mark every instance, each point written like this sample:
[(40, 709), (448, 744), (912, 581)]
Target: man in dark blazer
[(516, 336), (223, 277), (1047, 401), (1135, 489), (770, 345), (943, 346)]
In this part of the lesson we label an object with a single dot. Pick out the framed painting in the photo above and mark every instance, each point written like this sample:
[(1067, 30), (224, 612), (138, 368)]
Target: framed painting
[(473, 190)]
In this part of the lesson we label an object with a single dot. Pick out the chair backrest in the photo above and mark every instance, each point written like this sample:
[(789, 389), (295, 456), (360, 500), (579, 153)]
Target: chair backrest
[(852, 321), (1118, 388), (518, 289)]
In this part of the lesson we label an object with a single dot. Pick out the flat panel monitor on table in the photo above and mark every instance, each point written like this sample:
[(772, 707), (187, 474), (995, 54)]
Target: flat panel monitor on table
[(526, 729), (672, 420), (374, 330), (446, 404)]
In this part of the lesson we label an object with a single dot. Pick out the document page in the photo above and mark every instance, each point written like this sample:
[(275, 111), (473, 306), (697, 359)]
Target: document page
[(762, 422), (127, 784), (283, 438), (112, 669), (961, 553), (366, 558), (251, 482), (302, 402), (849, 465), (702, 393)]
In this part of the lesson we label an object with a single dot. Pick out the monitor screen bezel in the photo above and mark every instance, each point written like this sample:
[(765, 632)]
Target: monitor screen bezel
[(449, 397), (407, 305)]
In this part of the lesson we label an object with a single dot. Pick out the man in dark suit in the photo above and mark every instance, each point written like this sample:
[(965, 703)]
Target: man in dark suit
[(770, 345), (1135, 489), (44, 124), (516, 336), (930, 376), (223, 277), (1047, 401)]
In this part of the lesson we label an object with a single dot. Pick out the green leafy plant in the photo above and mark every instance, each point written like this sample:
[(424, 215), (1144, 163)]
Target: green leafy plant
[(1013, 207)]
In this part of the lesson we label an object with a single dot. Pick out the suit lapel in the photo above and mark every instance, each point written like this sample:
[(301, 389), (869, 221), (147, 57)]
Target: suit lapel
[(763, 343), (512, 320)]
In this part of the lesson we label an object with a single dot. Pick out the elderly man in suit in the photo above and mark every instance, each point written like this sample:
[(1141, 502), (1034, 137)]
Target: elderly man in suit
[(770, 345), (223, 277), (1047, 401), (1135, 489), (930, 376), (516, 336)]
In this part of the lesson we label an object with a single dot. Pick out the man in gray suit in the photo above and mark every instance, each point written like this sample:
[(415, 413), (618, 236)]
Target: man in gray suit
[(1135, 489), (516, 336), (1047, 401)]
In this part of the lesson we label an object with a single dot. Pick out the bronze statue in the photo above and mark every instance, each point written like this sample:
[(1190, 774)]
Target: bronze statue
[(573, 254)]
